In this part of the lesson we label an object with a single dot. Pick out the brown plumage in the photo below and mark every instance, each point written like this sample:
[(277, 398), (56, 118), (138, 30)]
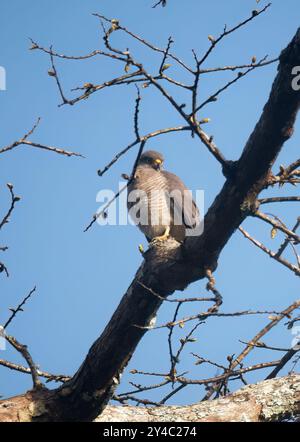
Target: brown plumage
[(165, 206)]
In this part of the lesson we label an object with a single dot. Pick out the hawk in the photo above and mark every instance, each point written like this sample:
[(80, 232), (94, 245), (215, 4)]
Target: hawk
[(158, 201)]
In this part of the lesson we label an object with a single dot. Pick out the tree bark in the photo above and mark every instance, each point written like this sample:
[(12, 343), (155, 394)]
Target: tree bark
[(267, 401), (271, 400), (168, 267)]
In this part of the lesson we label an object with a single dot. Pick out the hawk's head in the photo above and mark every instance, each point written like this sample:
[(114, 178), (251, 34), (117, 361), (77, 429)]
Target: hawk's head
[(152, 159)]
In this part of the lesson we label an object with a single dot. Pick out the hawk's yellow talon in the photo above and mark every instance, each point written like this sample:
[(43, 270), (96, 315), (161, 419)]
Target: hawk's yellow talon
[(163, 237)]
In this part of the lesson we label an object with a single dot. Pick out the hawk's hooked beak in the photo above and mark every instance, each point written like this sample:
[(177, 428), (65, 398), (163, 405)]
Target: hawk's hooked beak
[(158, 163)]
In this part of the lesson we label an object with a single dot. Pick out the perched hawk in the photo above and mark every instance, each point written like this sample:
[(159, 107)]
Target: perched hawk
[(158, 201)]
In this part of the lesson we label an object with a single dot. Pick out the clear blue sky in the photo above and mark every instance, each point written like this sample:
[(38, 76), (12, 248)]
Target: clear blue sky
[(81, 277)]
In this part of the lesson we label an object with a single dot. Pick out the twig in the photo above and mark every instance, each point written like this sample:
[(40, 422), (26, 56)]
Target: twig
[(180, 300), (208, 314), (173, 359), (19, 308), (24, 141), (202, 360), (290, 324), (273, 322), (136, 114), (226, 32), (213, 97), (269, 252), (146, 43), (236, 67), (142, 145), (278, 225), (172, 393), (140, 389), (116, 196), (23, 350), (206, 140), (163, 3), (279, 199), (162, 65), (287, 240), (228, 374), (263, 345), (44, 374), (137, 400), (251, 344), (290, 169), (101, 172), (188, 338), (91, 88), (55, 75), (3, 268), (156, 133), (286, 358), (103, 211), (14, 200)]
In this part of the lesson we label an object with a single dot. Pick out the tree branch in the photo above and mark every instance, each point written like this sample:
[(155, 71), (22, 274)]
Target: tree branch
[(270, 400), (24, 141)]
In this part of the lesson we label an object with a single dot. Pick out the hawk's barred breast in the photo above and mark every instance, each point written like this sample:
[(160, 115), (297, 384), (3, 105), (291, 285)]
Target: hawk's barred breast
[(159, 202)]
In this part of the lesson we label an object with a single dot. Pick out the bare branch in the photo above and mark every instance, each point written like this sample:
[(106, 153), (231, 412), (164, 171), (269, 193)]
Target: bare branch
[(90, 89), (287, 241), (269, 252), (260, 344), (290, 169), (279, 199), (156, 133), (44, 374), (24, 141), (286, 358), (213, 97), (54, 74), (3, 268), (274, 320), (163, 3), (226, 32), (236, 67), (205, 315), (136, 115), (23, 350), (162, 66), (116, 196), (180, 300), (228, 374), (278, 225), (14, 200), (19, 308), (146, 43)]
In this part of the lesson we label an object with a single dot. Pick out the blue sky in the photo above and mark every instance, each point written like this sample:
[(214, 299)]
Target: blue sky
[(81, 277)]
